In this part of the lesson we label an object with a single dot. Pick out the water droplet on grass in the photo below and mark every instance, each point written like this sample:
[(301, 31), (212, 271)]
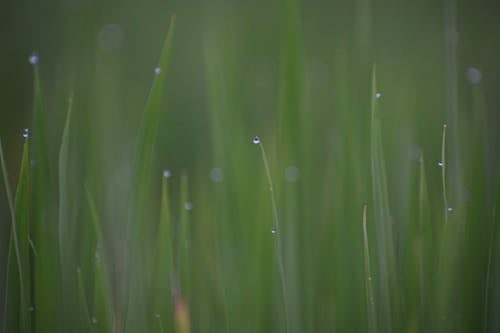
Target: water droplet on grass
[(292, 174), (378, 95), (450, 209), (157, 70), (440, 164), (256, 140), (167, 173), (157, 315), (26, 133), (110, 37), (473, 75), (216, 175), (274, 231), (33, 59), (188, 205)]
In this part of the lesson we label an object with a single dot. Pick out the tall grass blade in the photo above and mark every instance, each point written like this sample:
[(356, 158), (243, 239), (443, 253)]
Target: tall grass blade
[(385, 244), (443, 173), (100, 318), (138, 230), (184, 240), (66, 229), (47, 294), (17, 295), (370, 296), (162, 307)]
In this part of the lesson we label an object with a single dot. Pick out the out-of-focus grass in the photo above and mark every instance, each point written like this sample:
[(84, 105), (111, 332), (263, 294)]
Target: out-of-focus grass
[(374, 234)]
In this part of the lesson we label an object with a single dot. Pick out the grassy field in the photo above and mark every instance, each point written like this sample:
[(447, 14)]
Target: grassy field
[(244, 166)]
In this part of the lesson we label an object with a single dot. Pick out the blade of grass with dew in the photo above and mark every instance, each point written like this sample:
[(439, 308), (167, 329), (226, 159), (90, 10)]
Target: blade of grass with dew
[(184, 241), (162, 307), (66, 230), (276, 232), (47, 294), (101, 315), (388, 289), (138, 230), (18, 300), (370, 296)]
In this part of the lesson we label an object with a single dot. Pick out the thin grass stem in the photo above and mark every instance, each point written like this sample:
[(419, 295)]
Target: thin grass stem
[(370, 299), (276, 233), (16, 241)]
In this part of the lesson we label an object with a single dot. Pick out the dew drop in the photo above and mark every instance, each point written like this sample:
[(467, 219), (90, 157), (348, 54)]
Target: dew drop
[(473, 75), (440, 164), (378, 95), (216, 175), (369, 278), (444, 125), (274, 231), (157, 315), (33, 59), (292, 174), (26, 133), (157, 71), (256, 140), (188, 205), (110, 37), (167, 173), (450, 209)]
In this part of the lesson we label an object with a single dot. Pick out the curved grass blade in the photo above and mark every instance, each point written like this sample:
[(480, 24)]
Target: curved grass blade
[(18, 284)]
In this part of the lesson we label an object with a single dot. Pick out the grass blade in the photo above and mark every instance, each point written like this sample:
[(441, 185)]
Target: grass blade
[(370, 297), (138, 231), (162, 283), (47, 294), (385, 242), (100, 318), (276, 232), (18, 271)]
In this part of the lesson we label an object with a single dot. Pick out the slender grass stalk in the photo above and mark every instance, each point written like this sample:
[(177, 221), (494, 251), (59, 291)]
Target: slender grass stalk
[(276, 233), (184, 240), (23, 305), (387, 279), (370, 297), (442, 164)]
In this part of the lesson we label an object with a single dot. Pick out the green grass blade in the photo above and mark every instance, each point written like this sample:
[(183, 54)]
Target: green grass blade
[(370, 296), (47, 294), (276, 232), (18, 299), (385, 243), (162, 308), (138, 230), (149, 124), (100, 318), (184, 240), (442, 164)]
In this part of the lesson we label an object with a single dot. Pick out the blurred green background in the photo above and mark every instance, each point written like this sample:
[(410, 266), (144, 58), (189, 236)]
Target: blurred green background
[(298, 75)]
